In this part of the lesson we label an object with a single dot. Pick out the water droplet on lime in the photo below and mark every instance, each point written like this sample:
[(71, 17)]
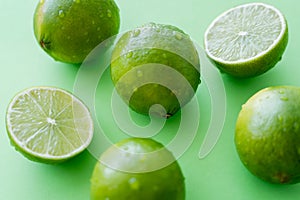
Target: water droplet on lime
[(109, 13), (61, 13), (178, 36), (139, 73), (129, 55), (136, 32), (284, 98), (134, 184)]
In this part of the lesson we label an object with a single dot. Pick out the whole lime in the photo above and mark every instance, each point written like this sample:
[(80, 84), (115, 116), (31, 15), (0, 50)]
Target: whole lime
[(68, 30), (155, 64), (134, 169), (267, 134)]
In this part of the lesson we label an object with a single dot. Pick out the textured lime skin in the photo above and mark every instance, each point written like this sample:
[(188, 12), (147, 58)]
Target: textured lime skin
[(166, 183), (136, 57), (267, 134), (68, 30)]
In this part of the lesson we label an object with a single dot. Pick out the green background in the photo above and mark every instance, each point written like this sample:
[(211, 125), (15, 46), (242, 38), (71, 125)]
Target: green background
[(220, 175)]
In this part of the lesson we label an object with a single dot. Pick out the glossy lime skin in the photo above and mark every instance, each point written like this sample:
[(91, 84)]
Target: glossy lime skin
[(150, 54), (267, 136), (166, 183), (68, 30)]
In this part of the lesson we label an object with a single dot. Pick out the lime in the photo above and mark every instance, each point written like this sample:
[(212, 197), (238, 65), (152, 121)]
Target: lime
[(69, 30), (267, 134), (48, 124), (155, 64), (247, 40), (129, 170)]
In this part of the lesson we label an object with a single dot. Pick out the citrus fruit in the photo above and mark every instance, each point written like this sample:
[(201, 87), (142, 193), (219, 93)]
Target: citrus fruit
[(48, 124), (267, 134), (247, 40), (69, 30), (155, 64), (124, 173)]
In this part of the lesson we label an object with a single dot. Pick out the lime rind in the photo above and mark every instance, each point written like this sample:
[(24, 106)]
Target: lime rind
[(34, 135), (230, 55)]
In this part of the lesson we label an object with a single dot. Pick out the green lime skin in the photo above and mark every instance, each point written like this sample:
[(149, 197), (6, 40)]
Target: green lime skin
[(155, 64), (166, 183), (68, 30), (267, 136)]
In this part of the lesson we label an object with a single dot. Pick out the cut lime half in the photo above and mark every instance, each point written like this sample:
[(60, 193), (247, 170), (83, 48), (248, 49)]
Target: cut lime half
[(247, 40), (48, 124)]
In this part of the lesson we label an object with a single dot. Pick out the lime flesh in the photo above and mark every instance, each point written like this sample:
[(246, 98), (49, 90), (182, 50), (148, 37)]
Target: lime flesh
[(155, 64), (128, 181), (267, 134), (68, 30), (247, 40), (48, 124)]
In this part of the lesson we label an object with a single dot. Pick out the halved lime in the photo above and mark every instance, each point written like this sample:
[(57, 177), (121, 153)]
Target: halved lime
[(48, 124), (247, 40)]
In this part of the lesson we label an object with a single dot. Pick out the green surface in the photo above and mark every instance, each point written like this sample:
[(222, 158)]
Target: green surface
[(220, 175)]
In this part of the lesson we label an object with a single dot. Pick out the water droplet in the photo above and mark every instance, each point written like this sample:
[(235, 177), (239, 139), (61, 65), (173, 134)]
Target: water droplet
[(61, 13), (139, 73), (109, 13), (178, 36), (134, 184), (280, 118), (76, 1), (284, 98), (296, 126), (129, 55), (136, 32)]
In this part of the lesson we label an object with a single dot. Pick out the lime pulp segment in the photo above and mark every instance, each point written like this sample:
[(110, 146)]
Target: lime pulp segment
[(48, 124)]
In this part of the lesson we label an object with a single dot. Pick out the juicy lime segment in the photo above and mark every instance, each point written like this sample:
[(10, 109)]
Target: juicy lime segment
[(247, 40), (48, 124)]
